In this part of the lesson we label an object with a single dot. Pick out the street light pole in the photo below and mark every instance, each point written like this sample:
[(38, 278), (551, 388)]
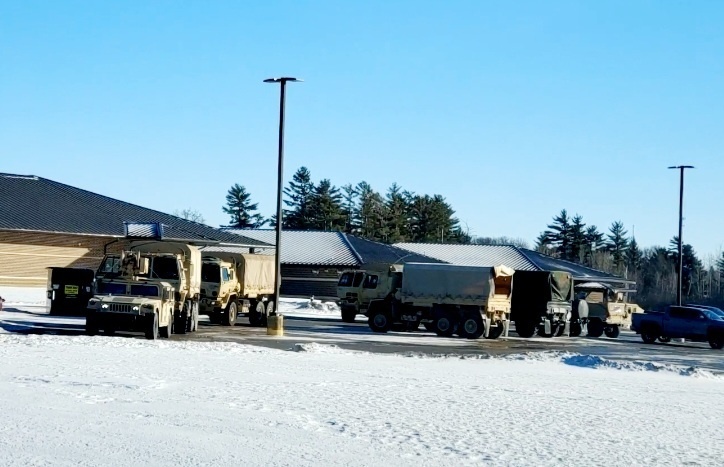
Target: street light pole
[(681, 222), (280, 170)]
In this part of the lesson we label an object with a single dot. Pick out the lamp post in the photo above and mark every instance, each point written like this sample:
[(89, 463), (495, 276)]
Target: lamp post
[(277, 255), (681, 168)]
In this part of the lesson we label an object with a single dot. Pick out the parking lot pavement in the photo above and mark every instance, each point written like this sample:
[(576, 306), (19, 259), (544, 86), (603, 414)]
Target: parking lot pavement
[(357, 336)]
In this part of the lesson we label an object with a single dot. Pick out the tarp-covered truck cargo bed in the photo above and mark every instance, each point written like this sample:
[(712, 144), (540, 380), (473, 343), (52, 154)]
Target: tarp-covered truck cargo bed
[(534, 289), (446, 284), (257, 277)]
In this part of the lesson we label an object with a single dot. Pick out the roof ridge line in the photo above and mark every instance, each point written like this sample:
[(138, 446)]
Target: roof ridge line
[(533, 263), (351, 248)]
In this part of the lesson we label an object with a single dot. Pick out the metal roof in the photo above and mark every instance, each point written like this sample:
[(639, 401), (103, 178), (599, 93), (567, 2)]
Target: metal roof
[(307, 247), (473, 255), (35, 204), (321, 248), (520, 259)]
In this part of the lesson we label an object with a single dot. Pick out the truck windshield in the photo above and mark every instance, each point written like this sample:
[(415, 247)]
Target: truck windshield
[(165, 267), (210, 273), (351, 279), (111, 265), (144, 290), (111, 288)]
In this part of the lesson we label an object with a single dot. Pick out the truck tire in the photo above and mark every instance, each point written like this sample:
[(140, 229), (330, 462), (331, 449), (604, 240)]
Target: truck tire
[(495, 331), (256, 313), (91, 325), (595, 328), (348, 314), (179, 322), (152, 326), (471, 326), (525, 329), (575, 329), (612, 331), (649, 334), (380, 320), (166, 331), (445, 324), (664, 339), (716, 341), (228, 316)]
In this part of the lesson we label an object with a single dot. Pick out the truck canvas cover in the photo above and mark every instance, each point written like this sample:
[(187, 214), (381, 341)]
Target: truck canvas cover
[(258, 274), (561, 286), (444, 283)]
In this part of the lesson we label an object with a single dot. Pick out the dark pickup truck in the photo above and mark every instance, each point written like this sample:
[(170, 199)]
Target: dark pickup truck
[(680, 322)]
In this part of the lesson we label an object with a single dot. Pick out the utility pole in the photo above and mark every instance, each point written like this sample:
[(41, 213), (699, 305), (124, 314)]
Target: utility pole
[(681, 168)]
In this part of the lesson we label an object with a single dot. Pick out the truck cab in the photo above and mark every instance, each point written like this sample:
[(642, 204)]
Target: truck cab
[(608, 308), (357, 288)]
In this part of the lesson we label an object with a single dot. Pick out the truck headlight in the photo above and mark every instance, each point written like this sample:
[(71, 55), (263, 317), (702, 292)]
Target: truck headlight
[(104, 306), (136, 308)]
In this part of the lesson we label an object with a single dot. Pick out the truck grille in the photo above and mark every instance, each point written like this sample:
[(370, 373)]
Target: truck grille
[(120, 308)]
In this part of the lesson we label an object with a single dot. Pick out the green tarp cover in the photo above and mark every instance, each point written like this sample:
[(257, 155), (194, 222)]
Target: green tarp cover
[(561, 286)]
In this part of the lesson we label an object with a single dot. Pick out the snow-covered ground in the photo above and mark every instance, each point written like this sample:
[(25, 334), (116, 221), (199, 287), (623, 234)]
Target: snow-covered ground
[(117, 401)]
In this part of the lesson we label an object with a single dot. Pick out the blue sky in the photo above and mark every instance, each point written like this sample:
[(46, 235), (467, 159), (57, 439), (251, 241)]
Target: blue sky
[(511, 110)]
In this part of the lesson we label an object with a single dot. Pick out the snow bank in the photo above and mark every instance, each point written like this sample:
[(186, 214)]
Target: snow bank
[(27, 296), (309, 308), (119, 401)]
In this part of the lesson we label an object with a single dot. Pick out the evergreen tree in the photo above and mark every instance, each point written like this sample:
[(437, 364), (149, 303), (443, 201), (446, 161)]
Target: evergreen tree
[(300, 194), (578, 239), (617, 244), (558, 235), (594, 241), (634, 257), (350, 211), (241, 209), (396, 214), (326, 207), (371, 213)]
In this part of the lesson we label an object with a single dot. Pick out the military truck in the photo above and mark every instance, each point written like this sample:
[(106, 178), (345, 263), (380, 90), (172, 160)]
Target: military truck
[(234, 284), (468, 300), (152, 286), (541, 303), (608, 309), (355, 292)]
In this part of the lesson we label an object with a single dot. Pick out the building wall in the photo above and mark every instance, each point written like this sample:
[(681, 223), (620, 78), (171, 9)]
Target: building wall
[(24, 256), (303, 281)]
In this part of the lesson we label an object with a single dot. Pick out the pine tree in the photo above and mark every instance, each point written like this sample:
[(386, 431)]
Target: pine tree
[(594, 241), (617, 244), (558, 235), (396, 214), (350, 199), (326, 207), (633, 255), (578, 239), (371, 213), (241, 209), (299, 193)]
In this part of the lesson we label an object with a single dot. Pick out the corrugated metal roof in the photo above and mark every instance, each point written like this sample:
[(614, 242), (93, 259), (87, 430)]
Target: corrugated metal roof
[(307, 247), (578, 271), (36, 204), (473, 255)]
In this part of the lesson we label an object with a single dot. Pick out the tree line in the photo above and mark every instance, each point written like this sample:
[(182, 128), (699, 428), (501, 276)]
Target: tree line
[(654, 269), (397, 216)]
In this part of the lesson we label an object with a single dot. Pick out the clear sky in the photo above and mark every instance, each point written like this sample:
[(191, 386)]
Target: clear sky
[(511, 110)]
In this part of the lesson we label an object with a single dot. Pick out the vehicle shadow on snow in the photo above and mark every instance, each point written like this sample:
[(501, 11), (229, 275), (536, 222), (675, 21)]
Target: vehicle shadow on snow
[(34, 327)]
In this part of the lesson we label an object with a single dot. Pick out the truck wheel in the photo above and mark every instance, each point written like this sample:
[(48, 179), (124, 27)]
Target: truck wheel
[(256, 313), (349, 315), (575, 329), (379, 321), (649, 334), (471, 326), (664, 339), (91, 325), (229, 315), (595, 328), (166, 331), (496, 331), (152, 326), (716, 341), (179, 323), (445, 325), (612, 331), (525, 328)]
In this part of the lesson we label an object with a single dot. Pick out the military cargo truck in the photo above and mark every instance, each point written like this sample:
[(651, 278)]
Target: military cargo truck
[(608, 309), (467, 300), (234, 284), (542, 303), (355, 291), (152, 286)]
